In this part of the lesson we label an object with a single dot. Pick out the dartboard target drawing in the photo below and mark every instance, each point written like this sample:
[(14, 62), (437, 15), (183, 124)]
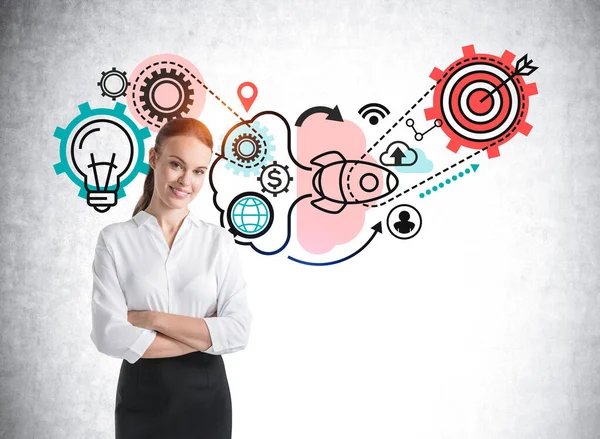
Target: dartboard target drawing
[(482, 100)]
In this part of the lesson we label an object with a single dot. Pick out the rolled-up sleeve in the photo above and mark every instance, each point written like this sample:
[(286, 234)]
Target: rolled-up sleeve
[(230, 330), (112, 333)]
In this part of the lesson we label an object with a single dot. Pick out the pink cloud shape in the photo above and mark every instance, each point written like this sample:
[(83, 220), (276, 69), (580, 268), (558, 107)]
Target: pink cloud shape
[(319, 231)]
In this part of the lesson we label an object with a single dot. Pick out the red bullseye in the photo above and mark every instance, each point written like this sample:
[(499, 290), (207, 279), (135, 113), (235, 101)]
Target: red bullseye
[(458, 108), (462, 85), (478, 107)]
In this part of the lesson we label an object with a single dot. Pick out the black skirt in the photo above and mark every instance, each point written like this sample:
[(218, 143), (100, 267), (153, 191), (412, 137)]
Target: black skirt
[(184, 397)]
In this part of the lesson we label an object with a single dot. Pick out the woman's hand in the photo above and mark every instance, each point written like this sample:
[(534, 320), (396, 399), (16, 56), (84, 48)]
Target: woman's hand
[(147, 319), (141, 319)]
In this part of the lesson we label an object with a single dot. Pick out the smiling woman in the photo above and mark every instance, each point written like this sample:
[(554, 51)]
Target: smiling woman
[(182, 146), (169, 298)]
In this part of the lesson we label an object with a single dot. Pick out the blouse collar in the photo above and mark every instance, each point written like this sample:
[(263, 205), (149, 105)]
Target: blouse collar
[(142, 216)]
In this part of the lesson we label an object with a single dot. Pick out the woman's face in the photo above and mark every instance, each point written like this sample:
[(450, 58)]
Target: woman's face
[(182, 165)]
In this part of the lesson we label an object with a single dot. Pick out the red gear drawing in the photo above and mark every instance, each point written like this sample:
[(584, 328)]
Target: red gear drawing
[(474, 124)]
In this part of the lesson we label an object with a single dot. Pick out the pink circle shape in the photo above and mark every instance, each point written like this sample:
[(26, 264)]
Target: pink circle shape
[(167, 95)]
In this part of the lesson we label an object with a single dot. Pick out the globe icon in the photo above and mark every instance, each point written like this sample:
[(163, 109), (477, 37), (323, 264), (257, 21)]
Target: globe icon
[(250, 215)]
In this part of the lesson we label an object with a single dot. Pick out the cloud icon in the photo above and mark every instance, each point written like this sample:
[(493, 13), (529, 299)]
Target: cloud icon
[(398, 153), (423, 164)]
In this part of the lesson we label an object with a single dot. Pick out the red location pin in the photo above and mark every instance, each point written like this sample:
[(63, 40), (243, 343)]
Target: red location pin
[(247, 101)]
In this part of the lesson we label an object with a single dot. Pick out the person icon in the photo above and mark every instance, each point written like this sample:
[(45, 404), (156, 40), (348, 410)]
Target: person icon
[(404, 226)]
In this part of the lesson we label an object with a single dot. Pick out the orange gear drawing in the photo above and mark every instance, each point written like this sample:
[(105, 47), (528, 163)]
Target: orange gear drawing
[(482, 101)]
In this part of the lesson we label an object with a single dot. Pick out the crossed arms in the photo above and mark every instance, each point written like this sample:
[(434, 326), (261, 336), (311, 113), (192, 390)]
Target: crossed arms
[(175, 334), (132, 334)]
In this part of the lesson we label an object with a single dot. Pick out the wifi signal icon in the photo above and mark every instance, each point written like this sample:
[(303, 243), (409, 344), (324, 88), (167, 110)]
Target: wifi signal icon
[(375, 113)]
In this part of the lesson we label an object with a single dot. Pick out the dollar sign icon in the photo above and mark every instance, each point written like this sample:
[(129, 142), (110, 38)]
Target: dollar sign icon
[(275, 178), (274, 174)]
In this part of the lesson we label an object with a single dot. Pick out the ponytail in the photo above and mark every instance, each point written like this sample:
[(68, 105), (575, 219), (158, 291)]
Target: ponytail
[(144, 200)]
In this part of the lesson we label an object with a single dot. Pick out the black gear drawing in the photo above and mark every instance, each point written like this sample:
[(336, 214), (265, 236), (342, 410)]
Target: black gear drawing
[(114, 94), (284, 187), (246, 137), (182, 107)]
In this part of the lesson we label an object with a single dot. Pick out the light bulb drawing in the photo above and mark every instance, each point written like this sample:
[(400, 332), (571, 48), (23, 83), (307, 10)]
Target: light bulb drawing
[(102, 152)]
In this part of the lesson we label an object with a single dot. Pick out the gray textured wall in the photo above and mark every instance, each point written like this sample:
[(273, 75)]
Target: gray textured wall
[(502, 342)]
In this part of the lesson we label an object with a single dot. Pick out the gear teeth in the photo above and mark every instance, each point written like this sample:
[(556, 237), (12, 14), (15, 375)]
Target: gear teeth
[(156, 76), (525, 128), (238, 155), (144, 133), (113, 94), (432, 113), (436, 74), (60, 167), (493, 152), (262, 140), (453, 145), (86, 112), (507, 57), (265, 171), (469, 51), (60, 133), (84, 109), (531, 89), (120, 108)]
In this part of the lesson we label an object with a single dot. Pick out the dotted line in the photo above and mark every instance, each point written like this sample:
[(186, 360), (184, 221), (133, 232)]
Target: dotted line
[(171, 63), (254, 165), (399, 121), (445, 74), (431, 178), (441, 184)]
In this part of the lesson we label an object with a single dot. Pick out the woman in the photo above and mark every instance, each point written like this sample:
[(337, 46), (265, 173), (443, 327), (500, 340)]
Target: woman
[(169, 298)]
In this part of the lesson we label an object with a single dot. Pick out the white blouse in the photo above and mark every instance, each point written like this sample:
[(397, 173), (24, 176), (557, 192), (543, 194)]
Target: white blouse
[(134, 269)]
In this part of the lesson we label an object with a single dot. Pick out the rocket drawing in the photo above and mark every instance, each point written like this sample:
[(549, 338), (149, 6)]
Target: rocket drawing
[(339, 182)]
